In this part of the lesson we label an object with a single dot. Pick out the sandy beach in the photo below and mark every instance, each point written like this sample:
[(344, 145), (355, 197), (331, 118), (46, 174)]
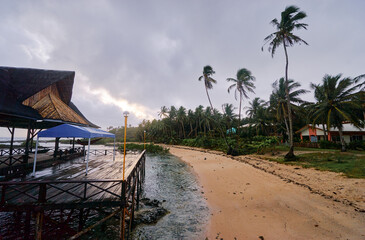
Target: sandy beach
[(251, 198)]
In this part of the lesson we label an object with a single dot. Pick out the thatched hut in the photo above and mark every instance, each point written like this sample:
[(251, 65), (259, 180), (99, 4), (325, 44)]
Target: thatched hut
[(37, 99)]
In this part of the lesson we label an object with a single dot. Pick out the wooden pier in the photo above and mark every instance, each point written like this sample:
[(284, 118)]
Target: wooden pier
[(61, 200)]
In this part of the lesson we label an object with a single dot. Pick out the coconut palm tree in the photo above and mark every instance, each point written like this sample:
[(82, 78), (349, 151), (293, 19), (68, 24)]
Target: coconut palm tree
[(228, 115), (361, 85), (336, 99), (243, 84), (208, 80), (181, 117), (278, 101), (289, 21), (254, 107), (163, 112)]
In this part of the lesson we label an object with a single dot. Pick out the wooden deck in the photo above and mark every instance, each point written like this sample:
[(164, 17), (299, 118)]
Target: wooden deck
[(67, 183), (65, 187)]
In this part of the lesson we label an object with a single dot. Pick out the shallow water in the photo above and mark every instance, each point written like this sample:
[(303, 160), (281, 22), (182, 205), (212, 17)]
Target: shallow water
[(170, 179)]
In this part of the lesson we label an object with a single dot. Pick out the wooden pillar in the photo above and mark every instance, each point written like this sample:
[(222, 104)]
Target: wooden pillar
[(122, 213), (26, 153), (39, 223), (57, 143), (11, 144), (27, 224), (81, 219)]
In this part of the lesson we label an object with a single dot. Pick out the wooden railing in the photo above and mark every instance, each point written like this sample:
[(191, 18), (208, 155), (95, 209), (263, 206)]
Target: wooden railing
[(100, 151), (39, 196)]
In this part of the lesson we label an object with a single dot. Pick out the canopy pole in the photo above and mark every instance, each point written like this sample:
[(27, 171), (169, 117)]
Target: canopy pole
[(114, 150), (35, 157), (88, 153)]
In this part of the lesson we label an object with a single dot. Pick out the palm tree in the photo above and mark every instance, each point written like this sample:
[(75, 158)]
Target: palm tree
[(228, 115), (208, 80), (336, 99), (181, 117), (243, 84), (290, 18), (278, 101), (361, 85), (254, 107), (163, 112)]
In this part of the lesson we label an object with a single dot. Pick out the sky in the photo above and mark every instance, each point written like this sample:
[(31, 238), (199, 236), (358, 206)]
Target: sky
[(138, 56)]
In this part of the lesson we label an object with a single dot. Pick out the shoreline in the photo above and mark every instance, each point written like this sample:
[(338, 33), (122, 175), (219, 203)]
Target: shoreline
[(251, 201)]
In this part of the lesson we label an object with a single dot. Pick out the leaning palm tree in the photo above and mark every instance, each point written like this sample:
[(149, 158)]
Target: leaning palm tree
[(337, 103), (243, 84), (290, 18), (208, 80)]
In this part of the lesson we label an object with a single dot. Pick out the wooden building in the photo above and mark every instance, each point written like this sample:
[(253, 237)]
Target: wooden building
[(351, 133), (36, 99)]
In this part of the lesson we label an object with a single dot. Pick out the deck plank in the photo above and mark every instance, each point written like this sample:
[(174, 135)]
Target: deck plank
[(100, 167)]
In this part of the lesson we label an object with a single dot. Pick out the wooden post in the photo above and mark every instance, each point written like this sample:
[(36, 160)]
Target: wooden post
[(81, 221), (11, 144), (39, 223), (122, 213), (26, 154), (27, 224), (138, 187), (56, 146), (73, 145)]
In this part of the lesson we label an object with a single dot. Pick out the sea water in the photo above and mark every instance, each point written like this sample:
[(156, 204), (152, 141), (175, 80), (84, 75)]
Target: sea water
[(171, 181)]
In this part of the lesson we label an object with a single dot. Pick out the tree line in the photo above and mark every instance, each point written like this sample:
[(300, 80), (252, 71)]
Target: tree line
[(338, 99)]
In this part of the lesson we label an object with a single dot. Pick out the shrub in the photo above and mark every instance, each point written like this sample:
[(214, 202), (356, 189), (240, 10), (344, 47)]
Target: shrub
[(150, 148), (329, 145), (357, 145)]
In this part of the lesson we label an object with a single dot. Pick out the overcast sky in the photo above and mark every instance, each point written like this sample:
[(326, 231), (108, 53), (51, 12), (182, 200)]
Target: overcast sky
[(137, 56)]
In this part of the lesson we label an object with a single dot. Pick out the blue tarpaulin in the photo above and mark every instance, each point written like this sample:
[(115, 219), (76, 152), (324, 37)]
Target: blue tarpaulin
[(68, 130)]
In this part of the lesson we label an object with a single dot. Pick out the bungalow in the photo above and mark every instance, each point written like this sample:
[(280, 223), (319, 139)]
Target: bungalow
[(314, 134)]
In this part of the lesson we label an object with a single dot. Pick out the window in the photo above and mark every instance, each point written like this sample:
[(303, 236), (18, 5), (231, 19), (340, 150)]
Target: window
[(336, 139), (355, 138)]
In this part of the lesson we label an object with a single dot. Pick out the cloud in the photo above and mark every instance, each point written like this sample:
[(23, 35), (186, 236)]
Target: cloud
[(141, 55)]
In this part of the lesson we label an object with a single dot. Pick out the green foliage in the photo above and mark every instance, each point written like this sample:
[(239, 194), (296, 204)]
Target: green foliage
[(329, 145), (24, 142), (258, 145), (352, 165), (132, 135), (150, 148), (357, 145)]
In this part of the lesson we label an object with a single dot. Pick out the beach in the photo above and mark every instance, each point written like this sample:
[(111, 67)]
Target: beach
[(251, 198)]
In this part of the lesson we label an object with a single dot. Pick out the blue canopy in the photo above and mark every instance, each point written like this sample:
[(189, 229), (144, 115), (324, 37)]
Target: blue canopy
[(68, 130)]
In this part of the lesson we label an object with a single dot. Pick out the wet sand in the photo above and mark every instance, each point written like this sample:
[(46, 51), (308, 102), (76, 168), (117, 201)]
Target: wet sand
[(247, 201)]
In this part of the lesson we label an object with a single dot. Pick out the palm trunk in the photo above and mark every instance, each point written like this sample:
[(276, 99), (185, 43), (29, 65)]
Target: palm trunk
[(286, 125), (290, 154), (324, 132), (239, 115), (343, 144), (239, 112), (183, 128), (206, 89)]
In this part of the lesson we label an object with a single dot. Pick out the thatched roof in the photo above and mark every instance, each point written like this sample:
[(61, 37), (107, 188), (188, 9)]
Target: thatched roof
[(27, 81), (37, 95)]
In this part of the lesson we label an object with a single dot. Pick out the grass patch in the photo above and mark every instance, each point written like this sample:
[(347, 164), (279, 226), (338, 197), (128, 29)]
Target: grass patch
[(350, 164)]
